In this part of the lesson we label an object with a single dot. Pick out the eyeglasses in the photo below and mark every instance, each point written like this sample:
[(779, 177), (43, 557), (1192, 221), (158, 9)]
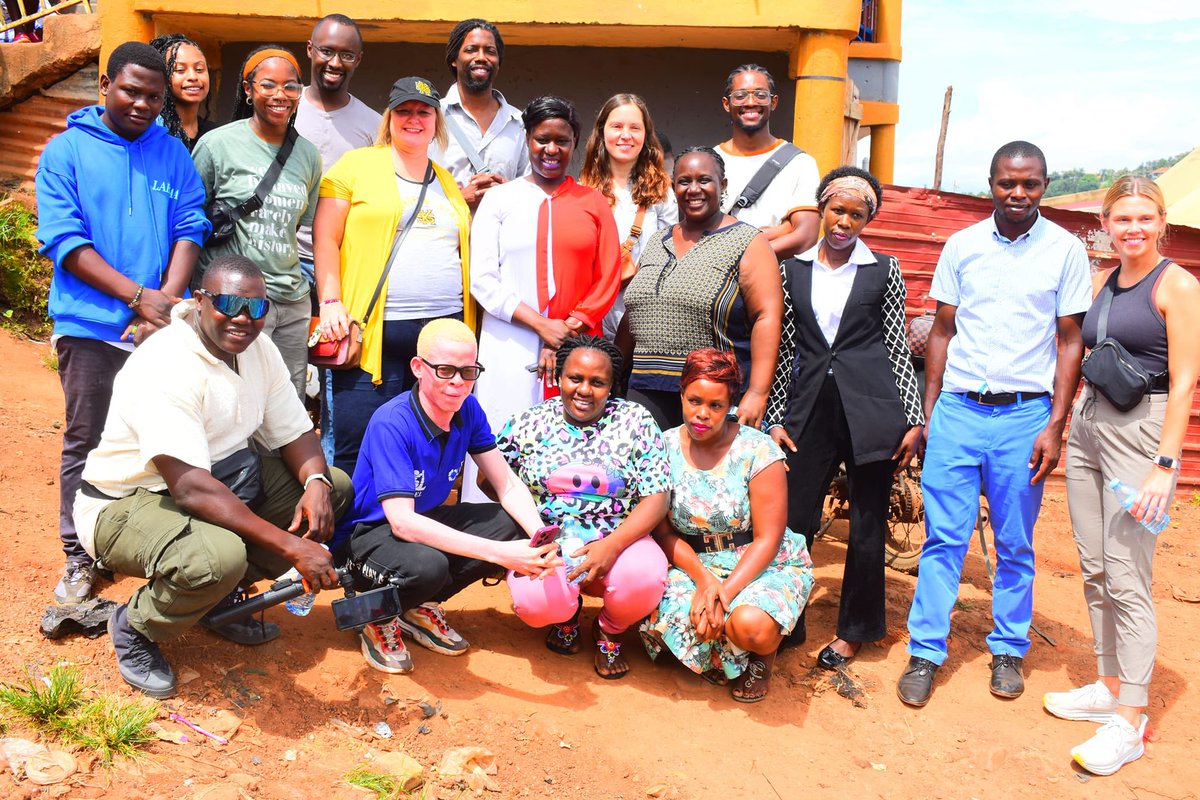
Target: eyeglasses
[(231, 305), (742, 96), (291, 89), (447, 371), (345, 56)]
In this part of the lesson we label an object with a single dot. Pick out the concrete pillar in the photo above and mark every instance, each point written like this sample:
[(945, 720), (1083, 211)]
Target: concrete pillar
[(119, 23), (818, 64), (883, 152)]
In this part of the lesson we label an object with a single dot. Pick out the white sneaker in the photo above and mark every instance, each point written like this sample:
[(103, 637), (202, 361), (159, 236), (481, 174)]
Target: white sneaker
[(1114, 745), (383, 648), (1093, 702)]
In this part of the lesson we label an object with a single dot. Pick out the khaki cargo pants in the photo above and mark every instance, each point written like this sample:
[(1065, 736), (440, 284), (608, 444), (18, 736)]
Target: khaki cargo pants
[(190, 564)]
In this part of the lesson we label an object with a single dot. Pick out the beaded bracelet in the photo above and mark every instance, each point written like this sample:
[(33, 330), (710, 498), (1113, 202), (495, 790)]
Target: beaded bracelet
[(137, 297), (329, 302)]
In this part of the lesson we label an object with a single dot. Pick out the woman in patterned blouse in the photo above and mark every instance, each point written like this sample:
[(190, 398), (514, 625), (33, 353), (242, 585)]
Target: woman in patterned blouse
[(846, 392), (709, 281), (596, 467)]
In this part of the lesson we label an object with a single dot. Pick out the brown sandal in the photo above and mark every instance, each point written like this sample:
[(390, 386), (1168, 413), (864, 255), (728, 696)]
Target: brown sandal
[(755, 682)]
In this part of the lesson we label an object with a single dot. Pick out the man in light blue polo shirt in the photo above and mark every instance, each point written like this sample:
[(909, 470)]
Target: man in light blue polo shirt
[(487, 142), (1002, 366), (399, 531)]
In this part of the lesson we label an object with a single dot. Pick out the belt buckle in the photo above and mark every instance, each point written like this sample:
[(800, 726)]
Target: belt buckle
[(984, 399)]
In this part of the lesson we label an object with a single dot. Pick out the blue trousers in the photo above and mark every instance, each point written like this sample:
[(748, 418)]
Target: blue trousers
[(973, 447)]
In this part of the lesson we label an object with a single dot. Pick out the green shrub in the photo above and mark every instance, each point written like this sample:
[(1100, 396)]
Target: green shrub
[(24, 273)]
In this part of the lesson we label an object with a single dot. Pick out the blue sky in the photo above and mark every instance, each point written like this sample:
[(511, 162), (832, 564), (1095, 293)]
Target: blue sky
[(1094, 83)]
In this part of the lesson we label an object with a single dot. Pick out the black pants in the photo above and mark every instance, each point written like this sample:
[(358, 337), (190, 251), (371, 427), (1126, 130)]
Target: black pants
[(86, 369), (823, 443), (665, 407), (423, 573)]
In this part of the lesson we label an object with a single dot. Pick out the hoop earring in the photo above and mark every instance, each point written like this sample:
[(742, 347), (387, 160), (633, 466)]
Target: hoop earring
[(249, 101)]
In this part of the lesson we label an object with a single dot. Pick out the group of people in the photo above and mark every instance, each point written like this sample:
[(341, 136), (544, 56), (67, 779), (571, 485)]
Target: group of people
[(655, 370)]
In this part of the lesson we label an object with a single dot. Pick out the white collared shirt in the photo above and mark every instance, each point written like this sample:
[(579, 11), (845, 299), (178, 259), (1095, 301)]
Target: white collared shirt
[(831, 287), (1009, 296), (502, 146)]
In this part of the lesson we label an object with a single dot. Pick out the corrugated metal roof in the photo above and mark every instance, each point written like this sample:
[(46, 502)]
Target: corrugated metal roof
[(913, 224)]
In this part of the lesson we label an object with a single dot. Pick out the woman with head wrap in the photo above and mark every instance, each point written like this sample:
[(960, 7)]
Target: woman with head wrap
[(845, 392)]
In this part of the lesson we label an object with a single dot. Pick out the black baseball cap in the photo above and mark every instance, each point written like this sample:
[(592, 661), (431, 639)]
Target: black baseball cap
[(413, 88)]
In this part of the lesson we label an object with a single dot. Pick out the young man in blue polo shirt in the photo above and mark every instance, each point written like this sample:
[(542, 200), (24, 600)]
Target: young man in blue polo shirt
[(398, 529), (1001, 369)]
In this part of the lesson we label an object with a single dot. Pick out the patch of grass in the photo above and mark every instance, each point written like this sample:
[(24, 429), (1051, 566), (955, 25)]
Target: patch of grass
[(385, 786), (112, 726), (50, 360), (49, 703), (1195, 501), (24, 273)]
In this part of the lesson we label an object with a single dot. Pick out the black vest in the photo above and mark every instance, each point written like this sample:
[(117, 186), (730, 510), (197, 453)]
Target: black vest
[(858, 357)]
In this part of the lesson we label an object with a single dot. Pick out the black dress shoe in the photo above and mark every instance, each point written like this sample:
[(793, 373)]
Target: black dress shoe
[(916, 684), (1007, 677), (831, 659)]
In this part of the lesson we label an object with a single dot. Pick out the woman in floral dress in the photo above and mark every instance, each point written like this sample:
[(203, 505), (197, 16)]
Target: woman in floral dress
[(739, 578)]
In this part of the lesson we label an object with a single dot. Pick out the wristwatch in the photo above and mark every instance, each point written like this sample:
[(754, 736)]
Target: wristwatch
[(318, 476), (1166, 462)]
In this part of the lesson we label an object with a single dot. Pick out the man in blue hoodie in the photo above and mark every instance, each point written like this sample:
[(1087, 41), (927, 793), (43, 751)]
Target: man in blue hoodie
[(121, 215)]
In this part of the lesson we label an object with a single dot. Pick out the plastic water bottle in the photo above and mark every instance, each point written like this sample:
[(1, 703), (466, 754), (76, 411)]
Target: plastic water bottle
[(301, 604), (1128, 496), (571, 542)]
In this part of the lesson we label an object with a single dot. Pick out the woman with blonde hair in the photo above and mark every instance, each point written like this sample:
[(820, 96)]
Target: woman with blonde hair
[(391, 251), (624, 161), (1150, 307)]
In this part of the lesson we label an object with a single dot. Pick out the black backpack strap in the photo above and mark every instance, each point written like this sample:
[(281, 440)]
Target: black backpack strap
[(255, 201), (762, 179)]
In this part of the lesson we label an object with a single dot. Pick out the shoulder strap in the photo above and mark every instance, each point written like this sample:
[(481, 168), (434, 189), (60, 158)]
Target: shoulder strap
[(763, 177), (477, 162), (255, 201), (635, 232), (1106, 298), (400, 234)]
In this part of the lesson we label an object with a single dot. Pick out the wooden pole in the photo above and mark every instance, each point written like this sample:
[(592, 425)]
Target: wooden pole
[(941, 145)]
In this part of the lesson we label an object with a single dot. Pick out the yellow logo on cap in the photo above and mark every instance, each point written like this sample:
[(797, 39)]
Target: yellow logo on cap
[(424, 89)]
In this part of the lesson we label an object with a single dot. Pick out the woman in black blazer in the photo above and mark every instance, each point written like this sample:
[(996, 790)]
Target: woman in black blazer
[(845, 392)]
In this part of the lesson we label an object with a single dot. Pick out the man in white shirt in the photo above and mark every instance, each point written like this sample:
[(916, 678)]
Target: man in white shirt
[(334, 120), (495, 149), (1001, 369), (175, 493), (786, 211)]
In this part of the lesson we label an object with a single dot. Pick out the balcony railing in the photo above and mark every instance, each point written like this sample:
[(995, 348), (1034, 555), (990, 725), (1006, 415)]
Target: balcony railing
[(868, 22), (32, 10)]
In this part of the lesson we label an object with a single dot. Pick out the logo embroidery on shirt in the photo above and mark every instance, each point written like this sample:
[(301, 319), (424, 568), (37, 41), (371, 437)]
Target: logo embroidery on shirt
[(419, 480), (452, 475), (166, 188)]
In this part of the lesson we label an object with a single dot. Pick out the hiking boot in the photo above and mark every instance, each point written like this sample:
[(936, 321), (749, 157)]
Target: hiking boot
[(140, 662), (383, 648), (427, 626), (75, 586), (1093, 702), (916, 684), (1007, 678), (250, 630), (1112, 747)]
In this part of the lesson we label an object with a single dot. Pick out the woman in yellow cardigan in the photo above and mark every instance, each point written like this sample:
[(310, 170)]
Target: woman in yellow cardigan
[(367, 197)]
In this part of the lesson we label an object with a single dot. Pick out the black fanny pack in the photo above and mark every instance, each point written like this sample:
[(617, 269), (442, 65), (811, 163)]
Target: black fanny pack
[(224, 217), (242, 473), (1109, 367)]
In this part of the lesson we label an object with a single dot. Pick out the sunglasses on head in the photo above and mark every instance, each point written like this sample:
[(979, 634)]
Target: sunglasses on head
[(231, 305)]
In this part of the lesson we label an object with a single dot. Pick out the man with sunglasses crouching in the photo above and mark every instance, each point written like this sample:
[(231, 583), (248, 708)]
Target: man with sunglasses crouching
[(176, 493), (399, 531)]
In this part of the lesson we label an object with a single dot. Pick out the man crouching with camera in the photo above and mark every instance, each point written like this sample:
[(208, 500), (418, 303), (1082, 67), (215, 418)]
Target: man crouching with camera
[(176, 491)]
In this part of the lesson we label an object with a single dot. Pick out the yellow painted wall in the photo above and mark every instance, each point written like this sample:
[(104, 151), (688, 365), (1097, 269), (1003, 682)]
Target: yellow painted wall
[(815, 33)]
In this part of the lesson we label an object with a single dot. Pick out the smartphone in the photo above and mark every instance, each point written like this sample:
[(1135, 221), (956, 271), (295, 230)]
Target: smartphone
[(373, 606), (544, 535)]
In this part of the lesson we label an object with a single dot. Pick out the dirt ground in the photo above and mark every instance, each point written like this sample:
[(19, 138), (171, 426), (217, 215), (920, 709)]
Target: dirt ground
[(558, 730)]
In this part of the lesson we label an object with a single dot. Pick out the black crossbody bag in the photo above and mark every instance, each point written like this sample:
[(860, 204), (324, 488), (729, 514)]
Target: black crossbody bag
[(224, 217), (1115, 373)]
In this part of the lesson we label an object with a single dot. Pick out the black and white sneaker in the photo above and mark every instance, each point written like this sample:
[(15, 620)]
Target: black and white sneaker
[(140, 662)]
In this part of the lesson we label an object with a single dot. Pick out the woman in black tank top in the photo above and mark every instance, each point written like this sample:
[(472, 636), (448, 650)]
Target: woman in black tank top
[(1155, 315)]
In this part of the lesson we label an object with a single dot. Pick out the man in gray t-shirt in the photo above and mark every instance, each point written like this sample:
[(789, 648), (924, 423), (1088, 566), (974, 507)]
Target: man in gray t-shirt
[(329, 116)]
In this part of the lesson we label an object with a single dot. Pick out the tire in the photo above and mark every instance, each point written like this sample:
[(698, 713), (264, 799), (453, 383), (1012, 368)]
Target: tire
[(906, 523)]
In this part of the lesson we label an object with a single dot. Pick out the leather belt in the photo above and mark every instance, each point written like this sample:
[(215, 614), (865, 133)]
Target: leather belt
[(1002, 398), (91, 491), (716, 542)]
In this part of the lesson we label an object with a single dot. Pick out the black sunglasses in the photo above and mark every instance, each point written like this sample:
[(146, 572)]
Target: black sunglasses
[(231, 305), (446, 371)]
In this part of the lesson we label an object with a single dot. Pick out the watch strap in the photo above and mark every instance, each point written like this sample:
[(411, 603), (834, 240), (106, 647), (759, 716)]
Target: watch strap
[(318, 476)]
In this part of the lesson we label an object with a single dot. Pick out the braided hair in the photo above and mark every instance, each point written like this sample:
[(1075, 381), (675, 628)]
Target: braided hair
[(169, 47), (706, 150), (587, 342), (242, 109)]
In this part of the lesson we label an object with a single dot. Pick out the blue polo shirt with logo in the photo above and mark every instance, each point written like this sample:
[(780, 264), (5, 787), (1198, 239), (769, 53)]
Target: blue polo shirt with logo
[(404, 454)]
